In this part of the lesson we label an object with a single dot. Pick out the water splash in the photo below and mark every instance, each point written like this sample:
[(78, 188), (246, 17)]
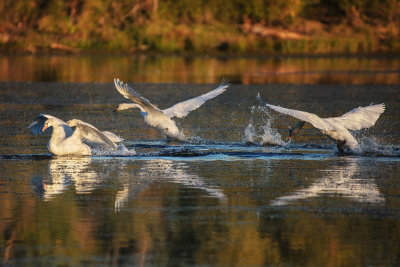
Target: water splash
[(369, 147), (261, 131), (121, 151), (249, 133), (271, 136)]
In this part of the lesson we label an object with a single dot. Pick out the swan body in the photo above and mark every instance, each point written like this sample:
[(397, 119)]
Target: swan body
[(65, 141), (162, 119), (336, 128)]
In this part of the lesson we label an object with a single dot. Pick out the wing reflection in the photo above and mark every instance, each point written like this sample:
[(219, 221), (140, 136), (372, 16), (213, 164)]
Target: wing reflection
[(339, 181), (68, 172), (176, 172)]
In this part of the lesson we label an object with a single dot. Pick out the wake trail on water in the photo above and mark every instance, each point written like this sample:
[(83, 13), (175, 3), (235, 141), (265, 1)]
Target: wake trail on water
[(121, 151)]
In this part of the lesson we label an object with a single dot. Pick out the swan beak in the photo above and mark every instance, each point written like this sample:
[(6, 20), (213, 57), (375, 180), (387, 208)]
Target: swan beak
[(45, 126), (116, 109)]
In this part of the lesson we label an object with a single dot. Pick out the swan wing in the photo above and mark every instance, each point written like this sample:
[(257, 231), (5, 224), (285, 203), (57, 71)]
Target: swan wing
[(181, 109), (92, 135), (316, 121), (128, 92), (37, 125), (113, 137), (359, 118)]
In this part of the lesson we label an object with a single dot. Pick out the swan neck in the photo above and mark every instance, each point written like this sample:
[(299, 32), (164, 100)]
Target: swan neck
[(296, 129), (58, 132), (125, 106)]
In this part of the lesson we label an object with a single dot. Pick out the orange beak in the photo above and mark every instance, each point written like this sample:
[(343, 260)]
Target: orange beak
[(45, 126), (116, 109)]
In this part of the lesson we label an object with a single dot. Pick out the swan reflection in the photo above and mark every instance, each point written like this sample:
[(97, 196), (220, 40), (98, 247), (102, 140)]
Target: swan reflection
[(172, 171), (65, 173), (341, 181)]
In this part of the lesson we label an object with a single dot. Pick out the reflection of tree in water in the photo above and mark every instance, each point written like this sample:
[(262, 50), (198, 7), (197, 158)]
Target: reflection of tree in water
[(302, 70), (47, 74), (340, 181)]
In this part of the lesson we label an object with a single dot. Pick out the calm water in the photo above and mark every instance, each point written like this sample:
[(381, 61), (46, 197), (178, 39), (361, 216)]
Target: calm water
[(158, 69), (217, 199)]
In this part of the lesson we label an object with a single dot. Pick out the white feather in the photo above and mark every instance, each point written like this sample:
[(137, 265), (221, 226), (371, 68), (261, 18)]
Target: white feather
[(182, 109)]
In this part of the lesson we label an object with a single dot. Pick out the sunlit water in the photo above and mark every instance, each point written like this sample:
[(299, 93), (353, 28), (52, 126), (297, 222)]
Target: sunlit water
[(236, 193)]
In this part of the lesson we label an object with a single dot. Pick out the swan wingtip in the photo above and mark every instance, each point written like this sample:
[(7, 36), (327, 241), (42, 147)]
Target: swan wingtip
[(116, 82), (260, 100), (224, 83)]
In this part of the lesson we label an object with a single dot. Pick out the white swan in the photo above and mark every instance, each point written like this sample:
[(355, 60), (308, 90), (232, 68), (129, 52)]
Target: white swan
[(162, 119), (336, 128), (65, 141)]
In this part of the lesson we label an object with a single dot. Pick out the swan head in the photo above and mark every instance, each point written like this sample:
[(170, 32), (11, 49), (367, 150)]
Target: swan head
[(46, 125), (290, 133), (43, 122), (50, 122)]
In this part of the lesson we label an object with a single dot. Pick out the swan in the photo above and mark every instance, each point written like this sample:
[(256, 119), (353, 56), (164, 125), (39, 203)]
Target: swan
[(162, 119), (336, 128), (66, 141)]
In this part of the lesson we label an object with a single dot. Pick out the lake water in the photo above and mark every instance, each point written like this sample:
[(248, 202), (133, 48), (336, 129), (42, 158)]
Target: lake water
[(237, 193)]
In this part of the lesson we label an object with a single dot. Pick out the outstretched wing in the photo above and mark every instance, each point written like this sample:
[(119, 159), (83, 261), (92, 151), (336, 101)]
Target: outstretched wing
[(93, 136), (37, 125), (316, 121), (181, 109), (359, 118), (113, 137), (128, 92)]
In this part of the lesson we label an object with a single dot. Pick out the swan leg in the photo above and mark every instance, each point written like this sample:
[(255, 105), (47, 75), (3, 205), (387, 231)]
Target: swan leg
[(340, 145)]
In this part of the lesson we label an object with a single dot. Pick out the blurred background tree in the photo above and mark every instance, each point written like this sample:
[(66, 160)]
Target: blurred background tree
[(203, 26)]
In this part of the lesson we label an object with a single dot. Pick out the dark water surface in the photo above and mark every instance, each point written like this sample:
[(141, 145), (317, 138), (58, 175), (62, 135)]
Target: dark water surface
[(217, 199)]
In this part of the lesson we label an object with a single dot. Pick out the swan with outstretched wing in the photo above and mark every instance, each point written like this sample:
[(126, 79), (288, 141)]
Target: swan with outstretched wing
[(336, 128), (162, 119), (65, 141)]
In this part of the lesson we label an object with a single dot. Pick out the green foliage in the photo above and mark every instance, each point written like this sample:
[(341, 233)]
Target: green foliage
[(199, 26)]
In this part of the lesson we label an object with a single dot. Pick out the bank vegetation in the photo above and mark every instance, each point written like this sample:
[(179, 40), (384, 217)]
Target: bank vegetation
[(200, 27)]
